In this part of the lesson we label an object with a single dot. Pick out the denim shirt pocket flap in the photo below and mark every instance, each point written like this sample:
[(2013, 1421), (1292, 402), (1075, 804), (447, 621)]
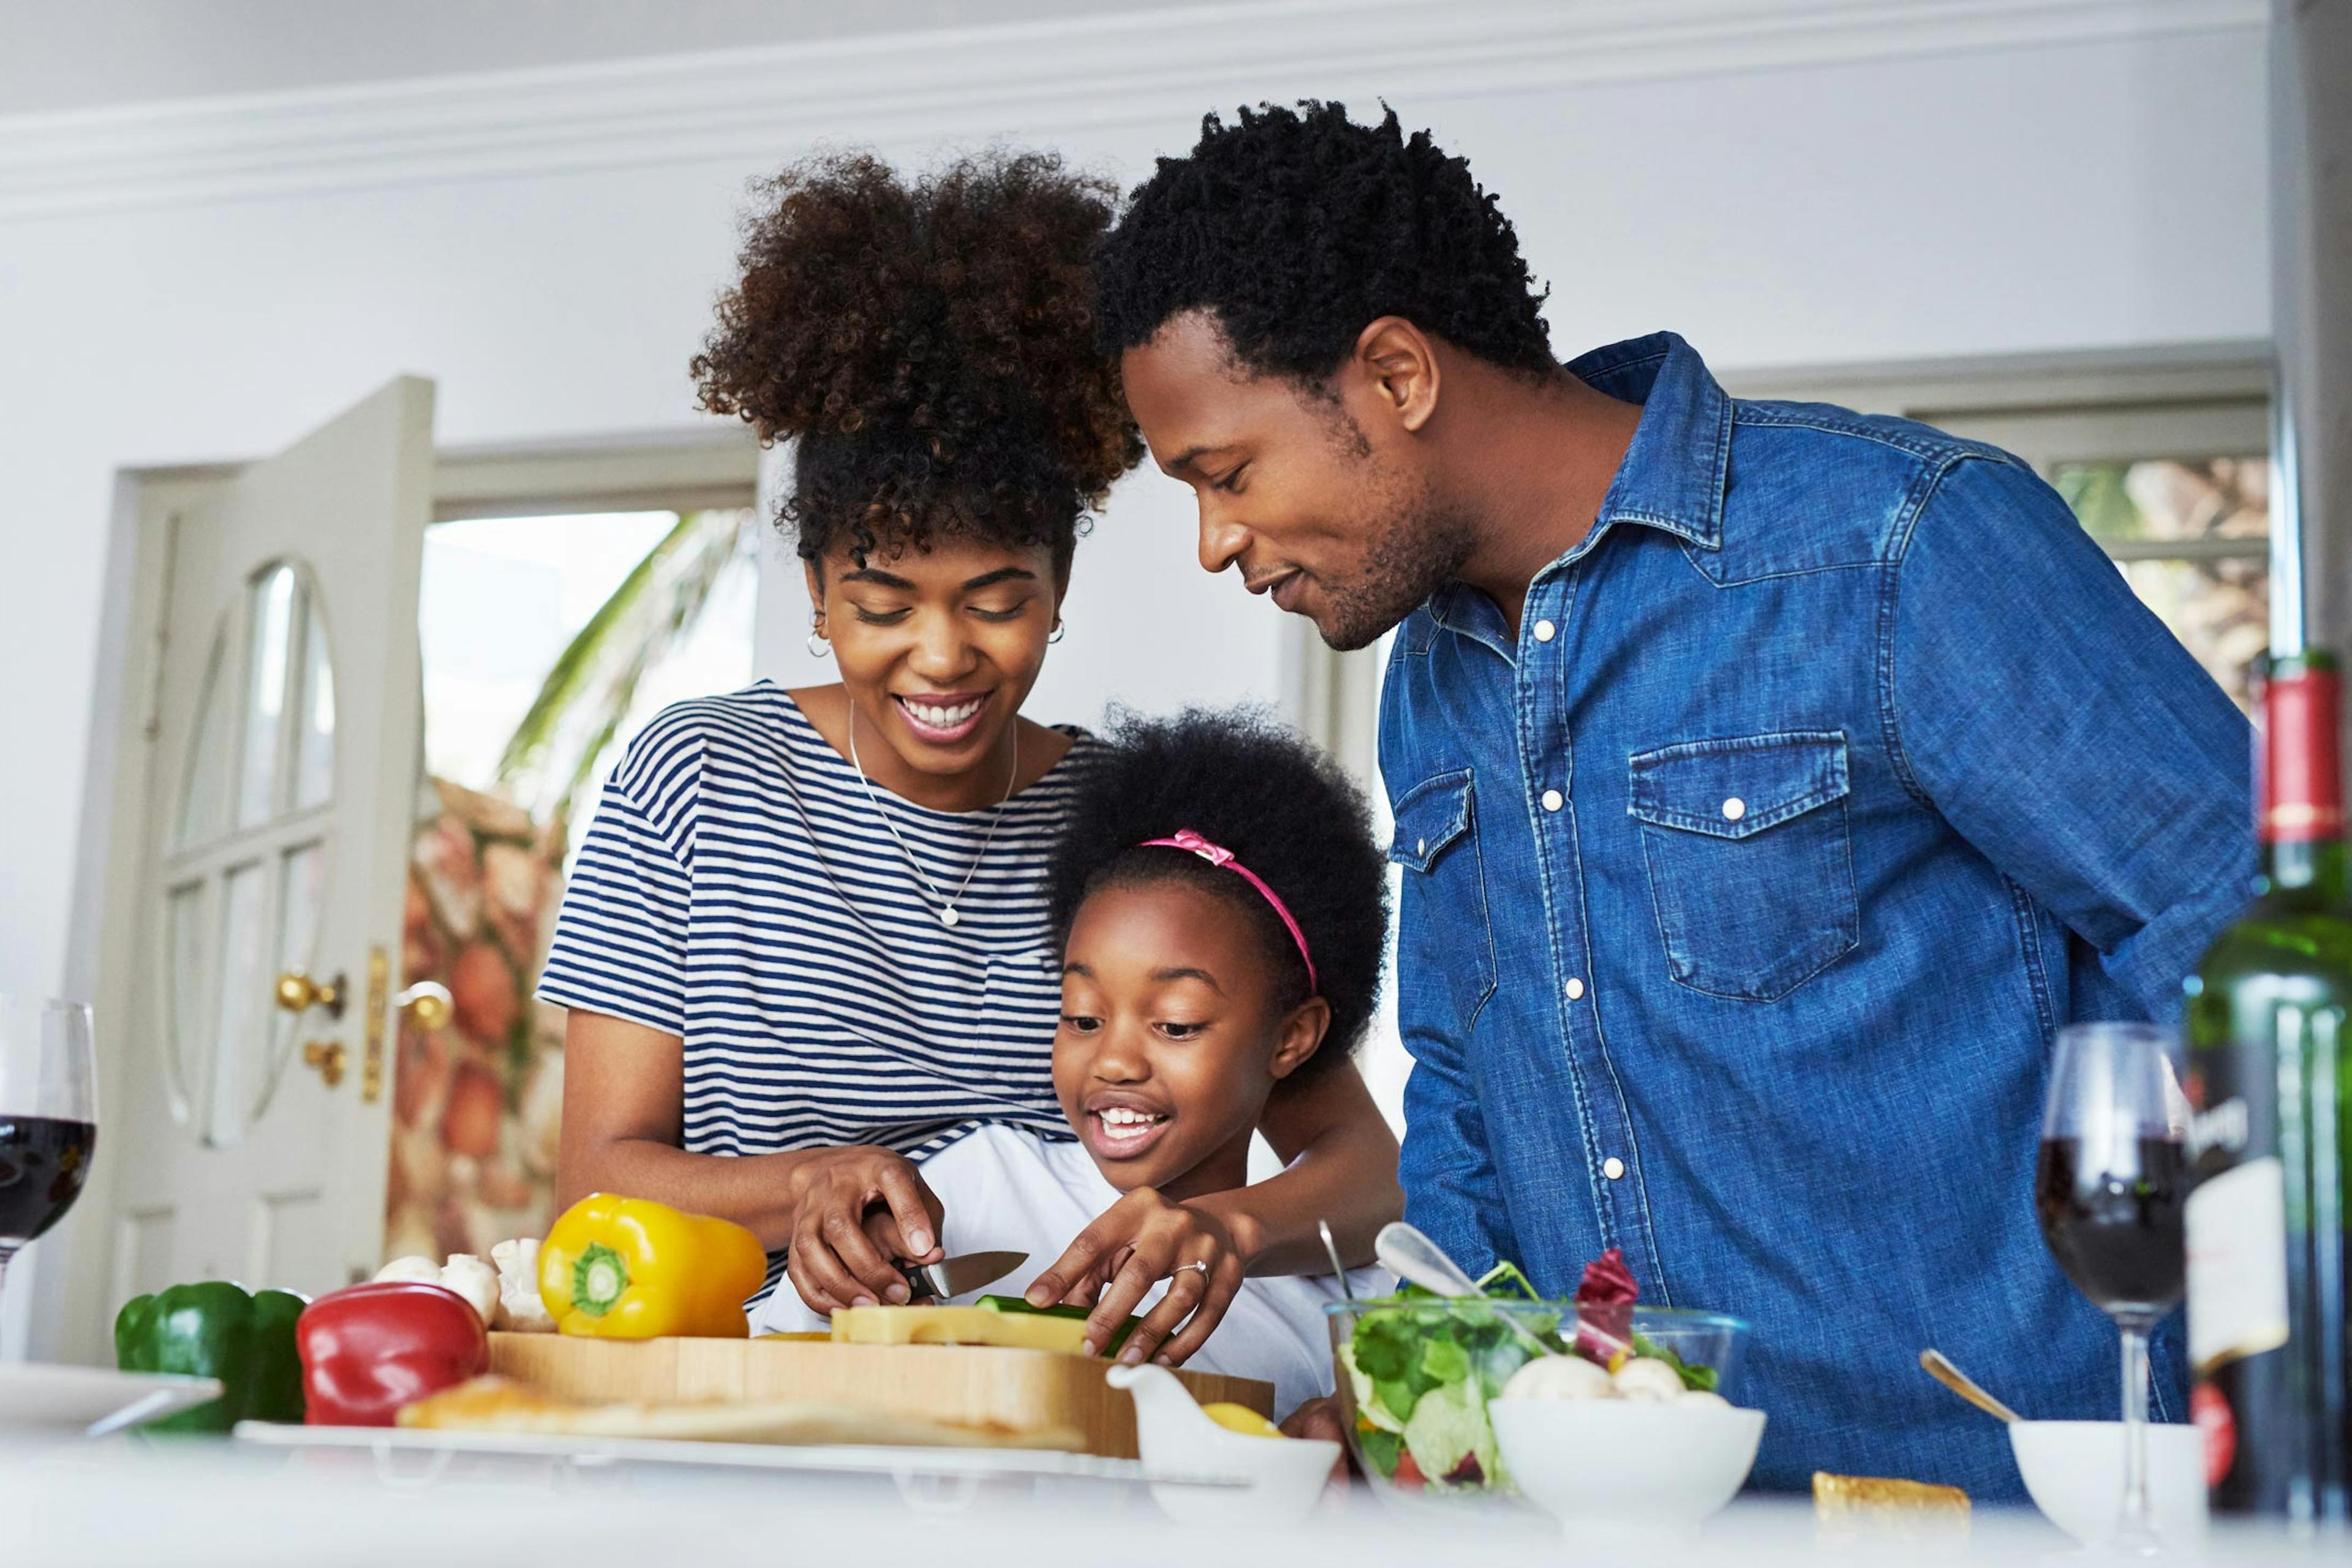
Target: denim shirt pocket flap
[(1430, 817), (1735, 788)]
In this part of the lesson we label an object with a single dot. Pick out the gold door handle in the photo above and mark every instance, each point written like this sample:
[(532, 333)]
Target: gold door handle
[(328, 1057), (298, 993), (427, 1003)]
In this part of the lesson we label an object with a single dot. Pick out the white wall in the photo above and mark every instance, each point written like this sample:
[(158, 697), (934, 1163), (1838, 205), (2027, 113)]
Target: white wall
[(1784, 191), (74, 54)]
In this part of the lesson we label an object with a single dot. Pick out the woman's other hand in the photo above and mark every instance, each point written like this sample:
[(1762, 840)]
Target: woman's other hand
[(1138, 1241), (857, 1212)]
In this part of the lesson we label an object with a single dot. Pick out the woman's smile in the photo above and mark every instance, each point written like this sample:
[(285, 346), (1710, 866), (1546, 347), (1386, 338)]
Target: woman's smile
[(943, 719)]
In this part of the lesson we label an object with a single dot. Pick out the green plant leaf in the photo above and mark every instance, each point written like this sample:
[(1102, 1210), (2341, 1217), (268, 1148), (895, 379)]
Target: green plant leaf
[(594, 683)]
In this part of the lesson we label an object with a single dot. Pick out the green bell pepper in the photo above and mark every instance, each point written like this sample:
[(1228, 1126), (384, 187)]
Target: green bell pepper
[(214, 1328)]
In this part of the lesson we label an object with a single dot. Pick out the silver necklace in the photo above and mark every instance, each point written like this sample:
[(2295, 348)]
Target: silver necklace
[(947, 911)]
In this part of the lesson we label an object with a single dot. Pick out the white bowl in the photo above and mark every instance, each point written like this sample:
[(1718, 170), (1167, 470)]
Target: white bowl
[(1615, 1465), (2075, 1472)]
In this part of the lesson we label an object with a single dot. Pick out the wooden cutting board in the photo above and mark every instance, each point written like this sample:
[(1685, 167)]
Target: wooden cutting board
[(973, 1385)]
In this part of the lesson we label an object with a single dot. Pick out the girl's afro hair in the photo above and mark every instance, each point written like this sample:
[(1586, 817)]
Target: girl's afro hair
[(932, 345), (1239, 779)]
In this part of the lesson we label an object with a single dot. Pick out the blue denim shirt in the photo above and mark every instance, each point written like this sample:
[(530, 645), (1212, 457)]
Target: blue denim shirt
[(1746, 887)]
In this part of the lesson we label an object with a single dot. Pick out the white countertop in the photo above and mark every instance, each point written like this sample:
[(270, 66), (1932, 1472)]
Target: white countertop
[(127, 1500)]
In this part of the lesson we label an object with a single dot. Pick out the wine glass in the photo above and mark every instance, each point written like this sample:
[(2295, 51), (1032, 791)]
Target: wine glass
[(49, 1116), (2109, 1188)]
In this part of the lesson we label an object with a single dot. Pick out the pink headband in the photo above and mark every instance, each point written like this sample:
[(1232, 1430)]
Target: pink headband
[(1218, 855)]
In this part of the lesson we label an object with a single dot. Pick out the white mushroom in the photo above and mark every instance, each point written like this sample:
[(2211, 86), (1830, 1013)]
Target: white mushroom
[(416, 1270), (1648, 1379), (1560, 1377), (521, 1310), (1705, 1397), (474, 1281)]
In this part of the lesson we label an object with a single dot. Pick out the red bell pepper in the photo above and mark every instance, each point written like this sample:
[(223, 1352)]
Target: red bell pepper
[(367, 1349)]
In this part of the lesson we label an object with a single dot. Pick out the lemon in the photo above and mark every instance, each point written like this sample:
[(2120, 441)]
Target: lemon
[(1241, 1418)]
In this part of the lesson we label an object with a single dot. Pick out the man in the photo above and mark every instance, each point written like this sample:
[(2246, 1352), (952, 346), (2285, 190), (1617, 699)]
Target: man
[(1770, 783)]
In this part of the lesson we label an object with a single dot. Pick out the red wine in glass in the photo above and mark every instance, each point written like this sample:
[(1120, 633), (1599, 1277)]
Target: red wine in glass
[(44, 1161), (49, 1116), (2109, 1188), (2114, 1225)]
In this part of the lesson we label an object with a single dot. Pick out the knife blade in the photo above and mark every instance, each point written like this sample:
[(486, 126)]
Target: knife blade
[(959, 1276)]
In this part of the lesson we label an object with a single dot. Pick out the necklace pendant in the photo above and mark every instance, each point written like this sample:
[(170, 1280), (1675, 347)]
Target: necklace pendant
[(948, 916)]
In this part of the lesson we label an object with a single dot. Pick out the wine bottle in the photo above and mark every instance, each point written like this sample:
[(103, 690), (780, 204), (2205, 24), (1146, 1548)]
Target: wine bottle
[(2270, 1089)]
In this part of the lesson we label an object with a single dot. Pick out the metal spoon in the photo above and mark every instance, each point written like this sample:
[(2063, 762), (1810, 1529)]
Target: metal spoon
[(1337, 1268), (1937, 1366), (1408, 1255)]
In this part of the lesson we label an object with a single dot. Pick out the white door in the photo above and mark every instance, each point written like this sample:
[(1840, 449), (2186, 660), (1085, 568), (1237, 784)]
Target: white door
[(250, 1126)]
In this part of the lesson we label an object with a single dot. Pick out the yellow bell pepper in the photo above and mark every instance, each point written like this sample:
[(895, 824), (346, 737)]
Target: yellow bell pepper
[(630, 1268)]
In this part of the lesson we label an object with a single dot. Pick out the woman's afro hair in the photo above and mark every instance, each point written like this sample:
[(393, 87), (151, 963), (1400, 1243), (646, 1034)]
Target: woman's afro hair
[(1298, 228), (1286, 811), (931, 344)]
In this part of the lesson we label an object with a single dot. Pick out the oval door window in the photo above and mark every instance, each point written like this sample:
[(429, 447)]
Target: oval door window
[(246, 870)]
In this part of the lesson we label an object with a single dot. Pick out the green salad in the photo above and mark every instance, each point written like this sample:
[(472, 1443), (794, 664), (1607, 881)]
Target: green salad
[(1423, 1368)]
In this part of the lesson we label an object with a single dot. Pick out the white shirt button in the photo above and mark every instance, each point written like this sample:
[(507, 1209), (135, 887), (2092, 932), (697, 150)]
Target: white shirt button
[(1612, 1167), (1553, 800), (1544, 630), (1420, 846), (1734, 809), (1575, 989)]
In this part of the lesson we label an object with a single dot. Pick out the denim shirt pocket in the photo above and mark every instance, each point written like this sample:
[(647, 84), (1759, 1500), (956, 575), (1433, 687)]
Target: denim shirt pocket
[(1449, 939), (1750, 859)]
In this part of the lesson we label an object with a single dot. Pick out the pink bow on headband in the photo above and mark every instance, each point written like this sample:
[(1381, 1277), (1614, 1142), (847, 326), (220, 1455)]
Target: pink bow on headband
[(1218, 855)]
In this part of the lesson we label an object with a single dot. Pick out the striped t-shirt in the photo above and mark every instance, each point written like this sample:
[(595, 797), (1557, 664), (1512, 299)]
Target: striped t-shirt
[(737, 889)]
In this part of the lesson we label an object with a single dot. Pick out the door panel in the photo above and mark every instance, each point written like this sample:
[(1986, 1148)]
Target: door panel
[(280, 785)]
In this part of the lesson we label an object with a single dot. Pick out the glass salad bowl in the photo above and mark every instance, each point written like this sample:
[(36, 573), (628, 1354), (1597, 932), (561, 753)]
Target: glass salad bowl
[(1414, 1374)]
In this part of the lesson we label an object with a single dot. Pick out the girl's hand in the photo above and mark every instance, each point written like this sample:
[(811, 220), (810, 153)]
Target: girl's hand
[(836, 1257), (1138, 1241)]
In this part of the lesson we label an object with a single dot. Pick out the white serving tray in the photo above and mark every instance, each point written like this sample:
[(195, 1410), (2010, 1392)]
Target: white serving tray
[(975, 1464), (41, 1399)]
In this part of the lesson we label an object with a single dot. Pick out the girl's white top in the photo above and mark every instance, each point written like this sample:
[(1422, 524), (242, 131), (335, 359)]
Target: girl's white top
[(1006, 1190)]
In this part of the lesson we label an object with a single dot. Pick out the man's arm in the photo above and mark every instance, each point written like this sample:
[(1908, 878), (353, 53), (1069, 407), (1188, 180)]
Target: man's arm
[(1451, 1190), (2060, 727)]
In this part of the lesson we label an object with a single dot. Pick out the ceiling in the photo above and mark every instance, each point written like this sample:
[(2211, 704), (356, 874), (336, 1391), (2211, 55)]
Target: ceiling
[(59, 55)]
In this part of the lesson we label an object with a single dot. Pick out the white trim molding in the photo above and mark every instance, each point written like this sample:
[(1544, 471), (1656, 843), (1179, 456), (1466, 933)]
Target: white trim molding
[(1032, 79)]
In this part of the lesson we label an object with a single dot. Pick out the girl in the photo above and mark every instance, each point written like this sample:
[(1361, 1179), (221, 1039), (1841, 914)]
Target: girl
[(1221, 907), (805, 948)]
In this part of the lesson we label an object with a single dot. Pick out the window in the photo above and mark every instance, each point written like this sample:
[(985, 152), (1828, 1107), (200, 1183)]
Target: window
[(2192, 537), (564, 599)]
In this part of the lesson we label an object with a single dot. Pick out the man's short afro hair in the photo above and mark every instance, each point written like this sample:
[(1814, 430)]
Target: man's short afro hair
[(1298, 228), (1239, 779)]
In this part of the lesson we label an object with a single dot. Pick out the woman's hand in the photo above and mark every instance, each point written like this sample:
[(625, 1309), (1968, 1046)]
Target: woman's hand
[(1138, 1241), (858, 1210)]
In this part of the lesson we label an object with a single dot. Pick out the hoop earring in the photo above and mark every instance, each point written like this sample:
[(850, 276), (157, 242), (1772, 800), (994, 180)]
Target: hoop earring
[(818, 644), (1056, 635)]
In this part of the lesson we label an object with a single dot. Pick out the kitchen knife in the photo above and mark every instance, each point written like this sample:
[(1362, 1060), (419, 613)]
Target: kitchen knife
[(960, 1276)]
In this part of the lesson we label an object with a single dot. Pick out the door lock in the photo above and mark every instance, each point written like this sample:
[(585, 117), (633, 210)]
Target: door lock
[(328, 1057), (298, 993)]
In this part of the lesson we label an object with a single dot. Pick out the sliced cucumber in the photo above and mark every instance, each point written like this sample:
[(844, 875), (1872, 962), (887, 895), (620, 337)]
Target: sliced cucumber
[(1015, 1304)]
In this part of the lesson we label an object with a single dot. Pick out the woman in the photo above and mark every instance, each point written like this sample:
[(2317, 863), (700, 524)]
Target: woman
[(807, 946)]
